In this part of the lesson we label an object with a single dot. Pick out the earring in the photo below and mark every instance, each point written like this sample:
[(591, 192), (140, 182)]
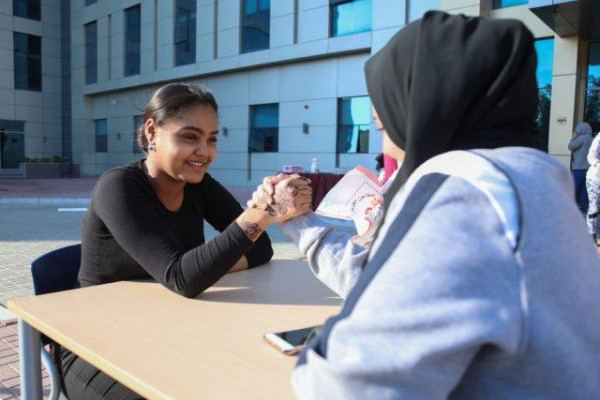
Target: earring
[(152, 147)]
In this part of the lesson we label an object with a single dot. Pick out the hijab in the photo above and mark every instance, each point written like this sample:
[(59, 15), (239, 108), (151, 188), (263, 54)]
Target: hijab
[(449, 82)]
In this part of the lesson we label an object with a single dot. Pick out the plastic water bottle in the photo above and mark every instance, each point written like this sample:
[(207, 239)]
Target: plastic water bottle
[(314, 165)]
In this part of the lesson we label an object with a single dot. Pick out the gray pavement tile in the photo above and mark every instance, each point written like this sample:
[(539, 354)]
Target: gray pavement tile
[(28, 231)]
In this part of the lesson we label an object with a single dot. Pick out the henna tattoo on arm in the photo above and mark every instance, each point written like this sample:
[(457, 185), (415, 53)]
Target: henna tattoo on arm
[(251, 229), (284, 199)]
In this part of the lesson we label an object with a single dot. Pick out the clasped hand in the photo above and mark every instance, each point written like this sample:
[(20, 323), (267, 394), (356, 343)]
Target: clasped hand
[(283, 196)]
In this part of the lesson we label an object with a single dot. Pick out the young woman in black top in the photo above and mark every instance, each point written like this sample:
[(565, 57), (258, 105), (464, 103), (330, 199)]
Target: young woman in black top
[(146, 219)]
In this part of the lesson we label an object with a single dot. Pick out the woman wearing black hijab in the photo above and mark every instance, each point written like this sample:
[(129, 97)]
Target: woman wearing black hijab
[(481, 282)]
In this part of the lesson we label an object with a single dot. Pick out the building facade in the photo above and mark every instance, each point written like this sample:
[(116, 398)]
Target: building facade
[(287, 74), (31, 80)]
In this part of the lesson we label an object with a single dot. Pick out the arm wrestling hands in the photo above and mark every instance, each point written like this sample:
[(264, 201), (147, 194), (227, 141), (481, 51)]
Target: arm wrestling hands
[(282, 196)]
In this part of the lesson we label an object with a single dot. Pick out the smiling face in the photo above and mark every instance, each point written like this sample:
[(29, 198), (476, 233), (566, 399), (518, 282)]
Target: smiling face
[(185, 146)]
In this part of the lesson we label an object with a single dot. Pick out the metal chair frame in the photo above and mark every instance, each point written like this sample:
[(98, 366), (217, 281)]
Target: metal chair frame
[(53, 272)]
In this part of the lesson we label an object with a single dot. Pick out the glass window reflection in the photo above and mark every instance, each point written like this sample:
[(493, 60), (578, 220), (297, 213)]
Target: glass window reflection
[(91, 53), (29, 9), (508, 3), (592, 98), (27, 61), (416, 8), (184, 36), (349, 16), (132, 40), (101, 134), (354, 121), (137, 121), (545, 55), (256, 23), (12, 143), (264, 128)]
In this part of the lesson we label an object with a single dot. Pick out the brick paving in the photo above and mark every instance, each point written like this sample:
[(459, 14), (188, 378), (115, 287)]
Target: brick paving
[(34, 226), (31, 225), (9, 363)]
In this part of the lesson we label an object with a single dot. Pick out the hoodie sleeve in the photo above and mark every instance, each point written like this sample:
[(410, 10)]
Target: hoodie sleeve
[(593, 156), (333, 257)]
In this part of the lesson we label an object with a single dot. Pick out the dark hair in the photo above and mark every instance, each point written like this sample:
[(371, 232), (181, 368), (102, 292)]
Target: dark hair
[(167, 103), (379, 161)]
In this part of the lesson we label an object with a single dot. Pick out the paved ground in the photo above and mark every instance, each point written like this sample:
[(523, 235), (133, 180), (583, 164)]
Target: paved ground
[(29, 230), (37, 216), (9, 363)]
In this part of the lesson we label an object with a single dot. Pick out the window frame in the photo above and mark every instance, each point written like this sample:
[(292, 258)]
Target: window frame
[(91, 53), (33, 9), (340, 125), (135, 148), (252, 129), (101, 137), (497, 4), (189, 38), (32, 72), (543, 120), (595, 89), (333, 4), (254, 22), (132, 47)]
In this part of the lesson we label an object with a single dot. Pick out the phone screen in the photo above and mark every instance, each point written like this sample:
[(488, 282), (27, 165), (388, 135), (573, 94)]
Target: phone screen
[(299, 337)]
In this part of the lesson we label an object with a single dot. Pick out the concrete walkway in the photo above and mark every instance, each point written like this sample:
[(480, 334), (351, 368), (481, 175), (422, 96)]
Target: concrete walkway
[(34, 219), (69, 191), (9, 363), (20, 243)]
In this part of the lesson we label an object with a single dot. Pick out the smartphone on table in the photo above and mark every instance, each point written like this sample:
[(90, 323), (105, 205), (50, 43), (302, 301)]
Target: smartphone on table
[(292, 342)]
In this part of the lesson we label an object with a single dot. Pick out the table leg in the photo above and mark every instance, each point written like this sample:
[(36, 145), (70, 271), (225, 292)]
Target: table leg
[(31, 366)]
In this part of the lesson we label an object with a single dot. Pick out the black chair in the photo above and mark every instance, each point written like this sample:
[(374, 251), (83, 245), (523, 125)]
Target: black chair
[(54, 272), (57, 270)]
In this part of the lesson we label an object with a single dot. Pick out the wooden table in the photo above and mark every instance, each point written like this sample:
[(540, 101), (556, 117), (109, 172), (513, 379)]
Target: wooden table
[(165, 346)]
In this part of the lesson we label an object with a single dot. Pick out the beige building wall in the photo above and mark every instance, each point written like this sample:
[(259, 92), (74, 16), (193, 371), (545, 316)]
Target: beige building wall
[(39, 110), (304, 71)]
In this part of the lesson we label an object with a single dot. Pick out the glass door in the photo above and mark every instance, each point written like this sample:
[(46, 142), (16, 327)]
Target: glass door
[(592, 92), (12, 143)]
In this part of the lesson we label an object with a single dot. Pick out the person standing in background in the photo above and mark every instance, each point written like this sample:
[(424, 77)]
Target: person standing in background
[(580, 146)]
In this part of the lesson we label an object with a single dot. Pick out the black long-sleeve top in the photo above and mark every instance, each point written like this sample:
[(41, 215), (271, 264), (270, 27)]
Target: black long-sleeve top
[(129, 234)]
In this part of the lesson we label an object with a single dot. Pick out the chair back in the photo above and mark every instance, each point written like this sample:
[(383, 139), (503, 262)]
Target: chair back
[(57, 270)]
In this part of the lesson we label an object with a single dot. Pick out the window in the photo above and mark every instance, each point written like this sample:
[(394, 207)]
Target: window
[(91, 53), (417, 8), (184, 36), (132, 40), (137, 121), (27, 9), (508, 3), (354, 121), (592, 98), (545, 55), (12, 143), (349, 16), (88, 2), (264, 128), (28, 61), (256, 24), (101, 132)]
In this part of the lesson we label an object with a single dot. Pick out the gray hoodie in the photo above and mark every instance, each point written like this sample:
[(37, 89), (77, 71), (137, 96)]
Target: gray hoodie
[(580, 146), (492, 292)]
